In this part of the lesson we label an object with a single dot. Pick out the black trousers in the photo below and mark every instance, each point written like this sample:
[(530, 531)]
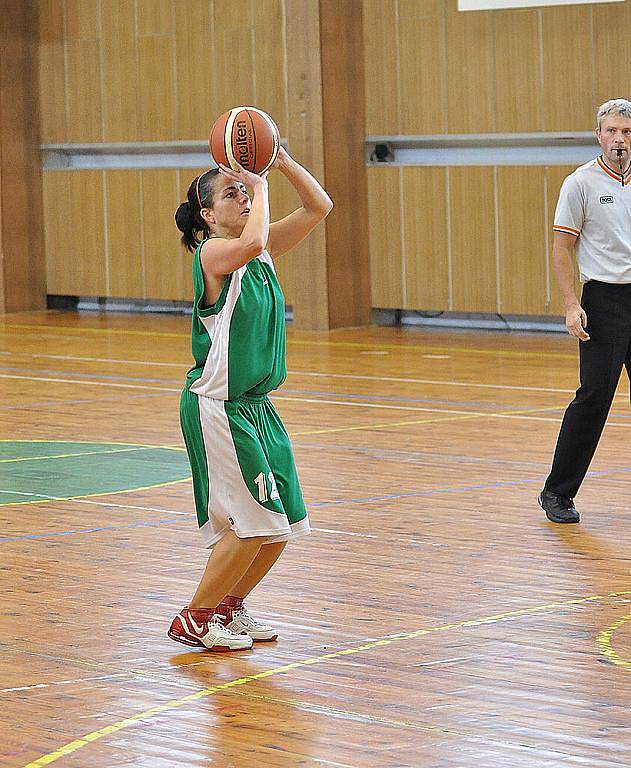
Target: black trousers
[(608, 308)]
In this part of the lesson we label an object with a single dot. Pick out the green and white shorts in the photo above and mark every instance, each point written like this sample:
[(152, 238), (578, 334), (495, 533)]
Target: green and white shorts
[(244, 476)]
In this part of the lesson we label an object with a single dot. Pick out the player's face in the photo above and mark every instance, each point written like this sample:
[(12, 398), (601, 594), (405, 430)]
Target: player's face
[(614, 133), (231, 207)]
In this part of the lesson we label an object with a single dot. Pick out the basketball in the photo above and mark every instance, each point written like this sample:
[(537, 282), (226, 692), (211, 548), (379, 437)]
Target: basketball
[(244, 136)]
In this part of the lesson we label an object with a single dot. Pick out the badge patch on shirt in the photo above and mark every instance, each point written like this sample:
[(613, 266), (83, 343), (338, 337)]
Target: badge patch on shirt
[(604, 199)]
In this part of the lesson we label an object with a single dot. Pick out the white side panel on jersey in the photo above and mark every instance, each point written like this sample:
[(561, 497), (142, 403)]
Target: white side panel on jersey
[(214, 379)]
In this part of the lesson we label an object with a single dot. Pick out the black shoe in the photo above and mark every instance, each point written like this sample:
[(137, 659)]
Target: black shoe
[(558, 509)]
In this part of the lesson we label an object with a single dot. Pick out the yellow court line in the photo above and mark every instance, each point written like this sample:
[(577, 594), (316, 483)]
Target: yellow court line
[(300, 342), (520, 415), (82, 382), (89, 442), (606, 648), (48, 499), (61, 329), (507, 414), (69, 455), (83, 741)]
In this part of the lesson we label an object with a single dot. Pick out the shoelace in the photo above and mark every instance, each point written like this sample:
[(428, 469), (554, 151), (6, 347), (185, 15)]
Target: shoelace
[(242, 613), (217, 622)]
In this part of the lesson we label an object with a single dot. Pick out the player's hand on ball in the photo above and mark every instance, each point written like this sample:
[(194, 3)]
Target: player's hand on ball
[(281, 158), (576, 322), (242, 176)]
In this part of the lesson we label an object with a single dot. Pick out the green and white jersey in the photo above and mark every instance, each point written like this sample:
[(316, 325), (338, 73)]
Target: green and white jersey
[(239, 342)]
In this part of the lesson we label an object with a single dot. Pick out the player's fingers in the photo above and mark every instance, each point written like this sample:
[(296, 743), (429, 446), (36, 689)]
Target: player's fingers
[(576, 329), (228, 172)]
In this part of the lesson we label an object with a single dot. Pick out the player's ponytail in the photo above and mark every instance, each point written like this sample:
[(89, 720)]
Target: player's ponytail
[(188, 218)]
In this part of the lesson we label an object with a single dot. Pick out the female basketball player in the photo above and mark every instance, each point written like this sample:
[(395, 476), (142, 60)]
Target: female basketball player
[(247, 496)]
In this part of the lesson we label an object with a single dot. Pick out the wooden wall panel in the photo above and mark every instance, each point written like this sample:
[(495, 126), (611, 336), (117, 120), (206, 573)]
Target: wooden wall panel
[(269, 61), (611, 44), (154, 17), (469, 53), (85, 120), (568, 81), (425, 238), (423, 106), (120, 72), (234, 72), (83, 19), (381, 67), (517, 76), (184, 177), (163, 256), (283, 200), (124, 236), (22, 284), (156, 94), (52, 73), (347, 252), (233, 66), (522, 240), (195, 112), (472, 212), (57, 232), (386, 247), (305, 134), (74, 227), (169, 67), (554, 179)]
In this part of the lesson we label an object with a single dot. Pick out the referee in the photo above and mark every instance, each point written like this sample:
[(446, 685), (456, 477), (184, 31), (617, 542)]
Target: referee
[(592, 224)]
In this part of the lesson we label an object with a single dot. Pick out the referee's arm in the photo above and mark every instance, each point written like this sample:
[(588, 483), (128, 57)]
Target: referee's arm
[(563, 264)]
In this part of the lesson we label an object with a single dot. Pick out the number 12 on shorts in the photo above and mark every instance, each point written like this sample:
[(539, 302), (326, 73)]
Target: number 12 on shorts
[(261, 481)]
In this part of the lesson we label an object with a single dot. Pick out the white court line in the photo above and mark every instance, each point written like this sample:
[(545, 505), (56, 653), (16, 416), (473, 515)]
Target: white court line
[(97, 503), (318, 374), (381, 406), (63, 682), (345, 533), (88, 383), (181, 366)]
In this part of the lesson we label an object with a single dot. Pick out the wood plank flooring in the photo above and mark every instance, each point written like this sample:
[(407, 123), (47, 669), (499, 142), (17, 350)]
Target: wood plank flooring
[(434, 618)]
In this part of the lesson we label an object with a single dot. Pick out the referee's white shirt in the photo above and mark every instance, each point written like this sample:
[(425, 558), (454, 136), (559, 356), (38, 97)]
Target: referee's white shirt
[(595, 206)]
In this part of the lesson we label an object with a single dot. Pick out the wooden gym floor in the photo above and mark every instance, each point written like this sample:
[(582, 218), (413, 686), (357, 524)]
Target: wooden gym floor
[(434, 618)]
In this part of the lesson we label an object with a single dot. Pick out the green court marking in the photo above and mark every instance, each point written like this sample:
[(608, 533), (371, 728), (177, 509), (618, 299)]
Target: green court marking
[(48, 469)]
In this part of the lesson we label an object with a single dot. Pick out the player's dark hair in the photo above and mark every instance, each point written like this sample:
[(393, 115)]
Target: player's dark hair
[(188, 217)]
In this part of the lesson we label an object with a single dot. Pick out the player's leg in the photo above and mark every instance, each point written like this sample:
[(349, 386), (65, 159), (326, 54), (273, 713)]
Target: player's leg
[(265, 559), (229, 561), (238, 618), (230, 519), (283, 482), (202, 622)]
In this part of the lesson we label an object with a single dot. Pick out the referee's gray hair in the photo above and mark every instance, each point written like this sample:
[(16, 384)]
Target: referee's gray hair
[(620, 107)]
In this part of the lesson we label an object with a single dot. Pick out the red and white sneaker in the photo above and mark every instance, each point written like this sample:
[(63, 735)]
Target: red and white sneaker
[(241, 623), (201, 628)]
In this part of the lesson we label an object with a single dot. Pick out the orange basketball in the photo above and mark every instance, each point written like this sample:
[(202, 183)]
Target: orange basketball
[(244, 136)]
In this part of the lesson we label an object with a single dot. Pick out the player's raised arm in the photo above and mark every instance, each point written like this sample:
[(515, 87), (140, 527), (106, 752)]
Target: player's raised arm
[(316, 204)]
